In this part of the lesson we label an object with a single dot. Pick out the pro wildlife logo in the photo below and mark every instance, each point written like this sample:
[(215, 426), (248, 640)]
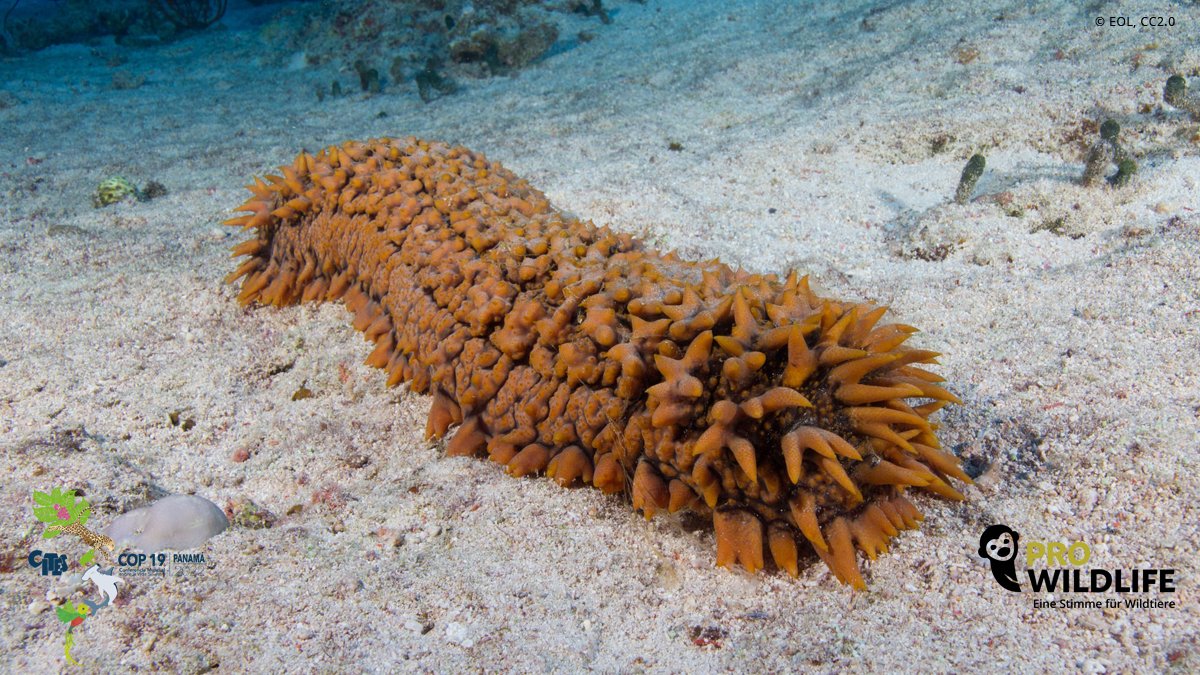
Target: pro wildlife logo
[(998, 544), (1062, 567)]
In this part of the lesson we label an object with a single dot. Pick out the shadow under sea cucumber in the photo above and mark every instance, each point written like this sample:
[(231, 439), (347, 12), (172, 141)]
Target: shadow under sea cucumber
[(560, 347)]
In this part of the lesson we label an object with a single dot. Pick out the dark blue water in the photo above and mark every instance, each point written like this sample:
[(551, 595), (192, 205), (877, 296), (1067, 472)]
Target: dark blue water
[(34, 24)]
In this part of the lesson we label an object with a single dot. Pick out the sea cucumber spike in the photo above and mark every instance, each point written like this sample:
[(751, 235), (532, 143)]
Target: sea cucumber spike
[(835, 471), (887, 338), (670, 414), (396, 369), (737, 372), (501, 452), (884, 432), (681, 496), (649, 493), (803, 511), (729, 345), (442, 413), (724, 413), (927, 409), (772, 486), (852, 372), (867, 534), (840, 558), (880, 520), (690, 304), (772, 339), (307, 273), (792, 280), (713, 440), (783, 547), (931, 390), (833, 336), (942, 462), (252, 285), (900, 405), (752, 408), (861, 394), (287, 285), (532, 459), (565, 348), (743, 453), (941, 488), (469, 440), (367, 312), (887, 473), (678, 382), (778, 315), (385, 351), (381, 325), (338, 286), (260, 188), (832, 355), (299, 204), (315, 291), (739, 539), (839, 445), (291, 179), (570, 465), (259, 219), (754, 360), (248, 267), (793, 455), (706, 480), (874, 415), (918, 374), (801, 361), (808, 438), (909, 513), (889, 508), (866, 323), (609, 477), (745, 326), (915, 356)]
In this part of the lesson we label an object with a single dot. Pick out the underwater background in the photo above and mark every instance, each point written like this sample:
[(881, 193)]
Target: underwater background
[(1061, 284)]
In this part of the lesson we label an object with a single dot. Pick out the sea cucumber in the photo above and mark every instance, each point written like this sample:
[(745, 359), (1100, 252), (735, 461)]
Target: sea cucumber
[(795, 422)]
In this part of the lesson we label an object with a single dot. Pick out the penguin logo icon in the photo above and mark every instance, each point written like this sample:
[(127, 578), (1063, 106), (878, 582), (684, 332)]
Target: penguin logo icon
[(998, 544)]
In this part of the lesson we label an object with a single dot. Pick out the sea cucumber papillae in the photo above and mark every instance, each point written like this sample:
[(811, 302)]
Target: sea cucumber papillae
[(796, 422)]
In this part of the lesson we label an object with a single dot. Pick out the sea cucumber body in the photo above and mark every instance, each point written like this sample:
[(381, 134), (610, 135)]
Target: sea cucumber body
[(556, 346)]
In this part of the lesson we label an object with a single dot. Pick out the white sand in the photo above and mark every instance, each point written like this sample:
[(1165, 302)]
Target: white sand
[(1077, 356)]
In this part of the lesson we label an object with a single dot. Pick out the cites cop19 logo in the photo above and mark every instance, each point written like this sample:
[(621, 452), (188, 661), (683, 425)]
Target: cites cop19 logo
[(176, 522), (1055, 566)]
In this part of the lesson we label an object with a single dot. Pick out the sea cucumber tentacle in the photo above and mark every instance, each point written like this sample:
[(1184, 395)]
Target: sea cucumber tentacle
[(797, 423)]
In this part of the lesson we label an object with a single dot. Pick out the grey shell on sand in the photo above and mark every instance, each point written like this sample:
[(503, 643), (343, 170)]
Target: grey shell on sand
[(177, 522)]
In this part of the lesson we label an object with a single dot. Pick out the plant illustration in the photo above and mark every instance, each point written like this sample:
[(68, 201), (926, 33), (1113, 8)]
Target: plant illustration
[(65, 513)]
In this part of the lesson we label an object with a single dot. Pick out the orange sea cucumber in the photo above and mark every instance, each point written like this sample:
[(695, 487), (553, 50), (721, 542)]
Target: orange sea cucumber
[(556, 346)]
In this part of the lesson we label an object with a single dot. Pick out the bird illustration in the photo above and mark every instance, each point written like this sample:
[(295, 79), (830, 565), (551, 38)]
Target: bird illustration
[(73, 616)]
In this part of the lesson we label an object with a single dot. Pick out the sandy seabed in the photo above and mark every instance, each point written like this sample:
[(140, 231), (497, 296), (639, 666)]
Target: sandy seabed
[(825, 139)]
